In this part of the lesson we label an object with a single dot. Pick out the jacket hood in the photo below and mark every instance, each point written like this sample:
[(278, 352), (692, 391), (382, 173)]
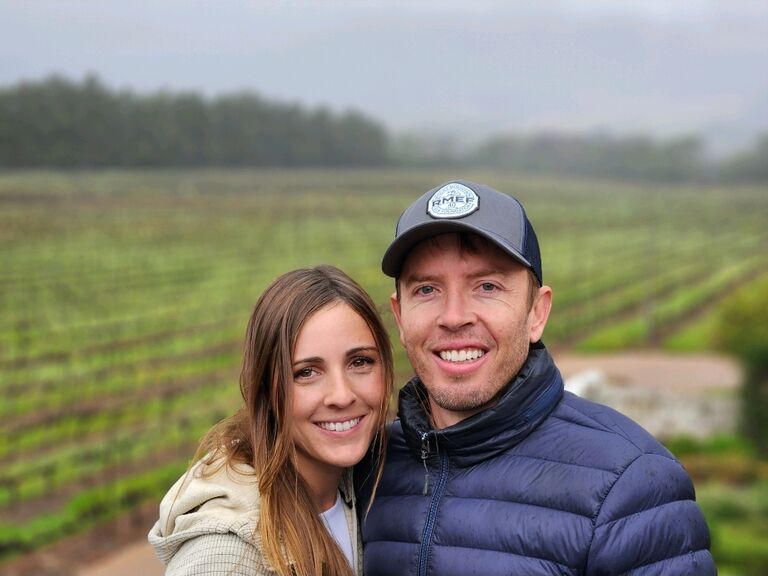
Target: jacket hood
[(527, 400), (215, 498), (208, 499)]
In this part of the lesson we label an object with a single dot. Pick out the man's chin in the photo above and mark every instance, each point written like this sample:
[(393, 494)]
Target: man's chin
[(457, 402)]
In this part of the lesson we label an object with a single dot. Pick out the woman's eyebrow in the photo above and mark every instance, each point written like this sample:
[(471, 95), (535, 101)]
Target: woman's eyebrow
[(309, 360), (358, 349)]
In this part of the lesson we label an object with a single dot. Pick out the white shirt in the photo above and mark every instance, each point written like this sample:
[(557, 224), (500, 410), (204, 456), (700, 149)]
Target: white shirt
[(336, 522)]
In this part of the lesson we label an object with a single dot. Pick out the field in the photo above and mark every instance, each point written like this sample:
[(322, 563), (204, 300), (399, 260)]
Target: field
[(124, 297)]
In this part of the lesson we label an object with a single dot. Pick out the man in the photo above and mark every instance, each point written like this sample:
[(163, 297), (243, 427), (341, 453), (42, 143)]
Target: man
[(492, 468)]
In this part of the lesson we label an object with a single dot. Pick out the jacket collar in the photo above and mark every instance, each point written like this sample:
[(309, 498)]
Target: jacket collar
[(527, 400), (347, 488)]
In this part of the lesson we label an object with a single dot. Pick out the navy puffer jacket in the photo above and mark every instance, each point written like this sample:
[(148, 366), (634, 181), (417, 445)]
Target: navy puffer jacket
[(543, 482)]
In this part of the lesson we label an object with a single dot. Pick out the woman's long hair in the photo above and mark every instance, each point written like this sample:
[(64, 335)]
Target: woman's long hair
[(293, 537)]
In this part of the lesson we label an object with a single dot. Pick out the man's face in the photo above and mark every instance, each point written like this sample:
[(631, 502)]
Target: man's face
[(465, 322)]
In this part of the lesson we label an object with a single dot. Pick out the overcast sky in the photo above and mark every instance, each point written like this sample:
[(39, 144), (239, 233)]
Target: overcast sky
[(470, 67)]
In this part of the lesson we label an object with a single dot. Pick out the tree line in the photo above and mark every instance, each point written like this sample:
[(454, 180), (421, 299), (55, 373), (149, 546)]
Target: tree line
[(637, 157), (681, 159), (59, 123)]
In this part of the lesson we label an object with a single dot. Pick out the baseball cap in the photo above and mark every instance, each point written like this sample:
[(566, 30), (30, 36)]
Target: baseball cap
[(462, 206)]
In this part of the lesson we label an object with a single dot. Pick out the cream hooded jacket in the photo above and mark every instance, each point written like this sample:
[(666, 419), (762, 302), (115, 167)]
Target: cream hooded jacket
[(207, 525)]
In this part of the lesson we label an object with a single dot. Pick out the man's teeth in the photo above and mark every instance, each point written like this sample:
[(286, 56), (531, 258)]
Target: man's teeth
[(461, 355), (339, 426)]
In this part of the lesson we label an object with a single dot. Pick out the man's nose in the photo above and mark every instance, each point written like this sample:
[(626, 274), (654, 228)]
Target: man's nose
[(456, 311)]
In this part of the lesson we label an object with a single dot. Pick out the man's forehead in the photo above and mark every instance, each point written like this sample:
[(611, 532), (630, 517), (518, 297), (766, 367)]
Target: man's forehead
[(465, 244)]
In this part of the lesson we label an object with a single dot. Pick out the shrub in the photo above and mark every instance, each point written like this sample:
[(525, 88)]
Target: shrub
[(743, 331)]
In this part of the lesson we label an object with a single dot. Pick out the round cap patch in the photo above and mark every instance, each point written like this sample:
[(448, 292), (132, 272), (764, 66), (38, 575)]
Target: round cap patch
[(453, 201)]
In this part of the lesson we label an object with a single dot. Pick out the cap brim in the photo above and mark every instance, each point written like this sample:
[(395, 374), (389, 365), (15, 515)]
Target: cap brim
[(396, 253)]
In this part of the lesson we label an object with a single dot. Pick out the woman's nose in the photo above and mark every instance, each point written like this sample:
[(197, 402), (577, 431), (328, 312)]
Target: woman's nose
[(339, 392)]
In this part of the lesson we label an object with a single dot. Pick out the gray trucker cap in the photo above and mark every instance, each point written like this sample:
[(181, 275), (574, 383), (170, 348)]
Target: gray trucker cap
[(462, 206)]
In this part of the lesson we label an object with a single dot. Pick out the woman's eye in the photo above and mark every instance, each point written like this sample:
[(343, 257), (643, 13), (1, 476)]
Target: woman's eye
[(362, 362), (304, 373)]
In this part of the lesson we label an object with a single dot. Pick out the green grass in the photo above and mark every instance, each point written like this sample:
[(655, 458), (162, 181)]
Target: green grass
[(738, 520), (133, 288)]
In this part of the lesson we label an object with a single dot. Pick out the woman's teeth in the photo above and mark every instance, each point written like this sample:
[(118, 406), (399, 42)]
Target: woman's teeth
[(339, 426), (461, 355)]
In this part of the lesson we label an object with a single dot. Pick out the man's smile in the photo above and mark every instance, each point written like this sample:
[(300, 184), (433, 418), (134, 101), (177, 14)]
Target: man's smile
[(461, 355)]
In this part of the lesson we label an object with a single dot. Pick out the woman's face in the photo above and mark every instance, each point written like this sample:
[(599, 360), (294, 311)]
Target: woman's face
[(338, 384)]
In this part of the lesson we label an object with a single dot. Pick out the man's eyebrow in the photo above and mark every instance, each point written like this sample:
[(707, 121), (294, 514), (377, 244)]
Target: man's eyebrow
[(490, 271), (415, 277)]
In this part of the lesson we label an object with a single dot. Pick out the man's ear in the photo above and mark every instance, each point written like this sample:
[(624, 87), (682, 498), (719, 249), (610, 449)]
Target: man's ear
[(539, 313), (394, 303)]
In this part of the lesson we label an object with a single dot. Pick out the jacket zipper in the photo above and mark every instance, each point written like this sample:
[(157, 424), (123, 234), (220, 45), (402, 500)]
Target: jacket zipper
[(426, 537), (424, 456)]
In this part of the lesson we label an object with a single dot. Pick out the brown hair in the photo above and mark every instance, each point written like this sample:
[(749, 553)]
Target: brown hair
[(293, 537)]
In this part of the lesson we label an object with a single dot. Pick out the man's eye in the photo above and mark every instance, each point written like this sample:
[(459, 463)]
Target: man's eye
[(488, 286), (424, 290)]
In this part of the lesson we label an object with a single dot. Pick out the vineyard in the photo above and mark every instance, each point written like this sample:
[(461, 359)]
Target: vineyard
[(124, 297)]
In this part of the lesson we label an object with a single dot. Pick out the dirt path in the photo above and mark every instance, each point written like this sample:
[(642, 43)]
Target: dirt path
[(688, 374), (137, 558)]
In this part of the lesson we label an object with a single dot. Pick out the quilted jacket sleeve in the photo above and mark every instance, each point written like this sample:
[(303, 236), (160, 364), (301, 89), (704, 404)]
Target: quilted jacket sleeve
[(649, 523)]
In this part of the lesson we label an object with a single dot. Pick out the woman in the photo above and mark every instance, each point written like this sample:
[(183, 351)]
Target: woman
[(272, 493)]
